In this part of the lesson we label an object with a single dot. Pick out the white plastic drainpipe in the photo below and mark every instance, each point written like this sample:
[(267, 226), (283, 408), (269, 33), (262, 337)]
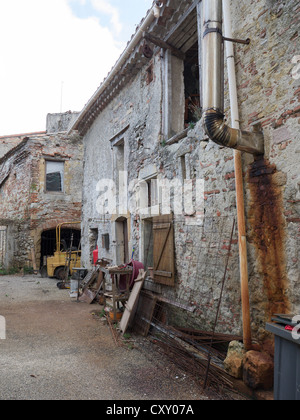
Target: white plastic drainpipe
[(227, 28)]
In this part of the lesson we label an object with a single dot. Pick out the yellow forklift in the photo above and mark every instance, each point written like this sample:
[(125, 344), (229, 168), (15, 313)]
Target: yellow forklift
[(65, 258)]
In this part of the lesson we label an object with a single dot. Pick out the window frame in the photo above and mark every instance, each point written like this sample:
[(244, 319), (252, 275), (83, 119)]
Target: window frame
[(48, 160)]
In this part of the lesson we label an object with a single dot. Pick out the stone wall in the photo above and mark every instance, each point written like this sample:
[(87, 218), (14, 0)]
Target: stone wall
[(25, 203), (268, 89)]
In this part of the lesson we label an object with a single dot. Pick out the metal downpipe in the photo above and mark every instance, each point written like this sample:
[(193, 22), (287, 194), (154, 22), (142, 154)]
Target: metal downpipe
[(213, 87)]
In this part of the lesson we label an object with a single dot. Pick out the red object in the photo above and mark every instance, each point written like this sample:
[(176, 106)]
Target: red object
[(289, 328), (95, 255), (136, 265)]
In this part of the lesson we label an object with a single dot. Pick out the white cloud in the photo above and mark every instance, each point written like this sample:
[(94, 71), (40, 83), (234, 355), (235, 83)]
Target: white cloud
[(42, 45), (104, 6)]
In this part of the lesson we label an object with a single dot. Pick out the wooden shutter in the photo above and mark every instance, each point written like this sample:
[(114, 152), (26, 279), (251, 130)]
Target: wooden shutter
[(163, 250)]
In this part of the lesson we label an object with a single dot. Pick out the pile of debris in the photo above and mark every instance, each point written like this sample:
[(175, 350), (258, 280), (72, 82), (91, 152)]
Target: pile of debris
[(199, 353)]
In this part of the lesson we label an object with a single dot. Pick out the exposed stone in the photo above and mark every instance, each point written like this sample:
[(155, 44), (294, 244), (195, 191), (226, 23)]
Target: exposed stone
[(234, 360), (258, 370), (27, 210)]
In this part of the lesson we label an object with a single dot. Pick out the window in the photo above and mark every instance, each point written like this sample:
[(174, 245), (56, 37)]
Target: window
[(182, 102), (191, 86), (54, 176), (149, 197), (105, 241)]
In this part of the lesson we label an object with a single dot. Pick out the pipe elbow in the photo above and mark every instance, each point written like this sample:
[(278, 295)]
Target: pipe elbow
[(219, 132)]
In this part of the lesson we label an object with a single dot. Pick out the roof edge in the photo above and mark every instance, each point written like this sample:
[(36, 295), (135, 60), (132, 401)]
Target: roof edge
[(152, 14)]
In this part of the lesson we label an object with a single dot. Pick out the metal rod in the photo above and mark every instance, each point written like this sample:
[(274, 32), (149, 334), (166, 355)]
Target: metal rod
[(219, 305), (238, 41)]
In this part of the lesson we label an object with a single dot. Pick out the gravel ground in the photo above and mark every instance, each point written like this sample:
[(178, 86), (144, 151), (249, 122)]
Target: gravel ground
[(57, 349)]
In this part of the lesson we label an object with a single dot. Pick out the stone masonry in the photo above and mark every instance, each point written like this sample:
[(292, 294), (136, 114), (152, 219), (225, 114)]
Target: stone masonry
[(129, 134), (26, 208)]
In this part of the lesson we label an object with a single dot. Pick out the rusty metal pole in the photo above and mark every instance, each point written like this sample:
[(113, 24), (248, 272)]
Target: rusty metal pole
[(242, 250), (238, 181)]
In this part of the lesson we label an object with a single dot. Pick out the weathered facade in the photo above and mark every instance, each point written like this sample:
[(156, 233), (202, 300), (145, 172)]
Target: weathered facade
[(40, 187), (143, 126)]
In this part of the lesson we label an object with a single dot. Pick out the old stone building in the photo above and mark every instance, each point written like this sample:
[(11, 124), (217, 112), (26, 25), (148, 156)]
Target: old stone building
[(40, 187), (147, 157)]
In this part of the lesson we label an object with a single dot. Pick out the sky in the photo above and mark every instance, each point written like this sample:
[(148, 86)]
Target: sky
[(54, 54)]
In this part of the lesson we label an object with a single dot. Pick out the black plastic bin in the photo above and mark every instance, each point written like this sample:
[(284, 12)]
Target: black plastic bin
[(286, 364)]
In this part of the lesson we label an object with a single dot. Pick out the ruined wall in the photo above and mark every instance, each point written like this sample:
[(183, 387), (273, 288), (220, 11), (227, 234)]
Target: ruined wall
[(24, 202), (8, 143)]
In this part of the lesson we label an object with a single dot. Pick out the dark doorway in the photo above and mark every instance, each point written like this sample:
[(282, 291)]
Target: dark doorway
[(122, 241), (48, 242)]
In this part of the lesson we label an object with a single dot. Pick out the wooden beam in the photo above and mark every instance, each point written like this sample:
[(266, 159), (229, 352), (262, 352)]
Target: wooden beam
[(165, 45)]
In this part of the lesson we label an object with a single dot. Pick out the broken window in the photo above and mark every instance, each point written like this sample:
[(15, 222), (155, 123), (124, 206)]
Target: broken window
[(54, 176), (192, 112), (182, 107)]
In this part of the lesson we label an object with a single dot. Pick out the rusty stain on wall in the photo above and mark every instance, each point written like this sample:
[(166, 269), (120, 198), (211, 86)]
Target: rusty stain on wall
[(267, 232)]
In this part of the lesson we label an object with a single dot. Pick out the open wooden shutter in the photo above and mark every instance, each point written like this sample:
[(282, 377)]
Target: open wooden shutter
[(163, 250)]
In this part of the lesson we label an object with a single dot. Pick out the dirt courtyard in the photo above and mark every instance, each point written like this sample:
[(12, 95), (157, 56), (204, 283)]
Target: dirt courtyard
[(56, 349)]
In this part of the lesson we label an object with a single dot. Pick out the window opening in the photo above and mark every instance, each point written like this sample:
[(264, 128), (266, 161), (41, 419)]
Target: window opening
[(105, 241), (54, 176), (191, 86), (152, 192), (183, 167), (150, 74)]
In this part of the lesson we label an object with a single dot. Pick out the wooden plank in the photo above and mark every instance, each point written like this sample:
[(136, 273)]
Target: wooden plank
[(163, 273), (87, 296), (182, 21), (144, 313), (131, 305), (188, 38), (161, 225), (160, 43), (178, 304), (163, 250)]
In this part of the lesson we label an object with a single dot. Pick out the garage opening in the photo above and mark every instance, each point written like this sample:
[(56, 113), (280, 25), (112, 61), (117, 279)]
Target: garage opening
[(48, 242)]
